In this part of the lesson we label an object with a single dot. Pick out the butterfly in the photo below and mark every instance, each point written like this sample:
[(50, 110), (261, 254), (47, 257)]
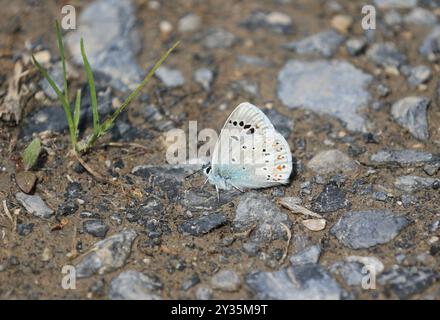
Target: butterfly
[(249, 153)]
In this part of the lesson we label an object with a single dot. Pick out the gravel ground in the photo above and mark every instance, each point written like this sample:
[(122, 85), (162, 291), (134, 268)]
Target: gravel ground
[(359, 109)]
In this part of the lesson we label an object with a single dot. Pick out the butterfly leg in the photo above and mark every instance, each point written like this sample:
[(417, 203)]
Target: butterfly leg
[(241, 190), (218, 194)]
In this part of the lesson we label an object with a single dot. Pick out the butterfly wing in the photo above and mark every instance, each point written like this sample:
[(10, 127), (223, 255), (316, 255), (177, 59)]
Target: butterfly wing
[(250, 153)]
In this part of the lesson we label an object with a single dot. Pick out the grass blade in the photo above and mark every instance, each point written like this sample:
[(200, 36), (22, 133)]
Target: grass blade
[(96, 126), (61, 98), (63, 60), (110, 121), (76, 111)]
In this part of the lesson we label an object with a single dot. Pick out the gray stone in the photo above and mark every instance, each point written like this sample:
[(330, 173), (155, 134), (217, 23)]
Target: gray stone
[(414, 183), (325, 43), (193, 280), (34, 205), (111, 41), (332, 198), (365, 229), (421, 16), (218, 38), (431, 168), (249, 86), (203, 293), (253, 60), (307, 255), (96, 228), (204, 77), (226, 280), (408, 281), (331, 161), (380, 196), (134, 285), (356, 46), (282, 123), (397, 4), (408, 200), (189, 23), (334, 88), (276, 22), (351, 272), (56, 73), (419, 75), (256, 209), (430, 47), (386, 55), (300, 282), (411, 113), (172, 78), (204, 200), (177, 172), (202, 225), (106, 255), (393, 18), (405, 157)]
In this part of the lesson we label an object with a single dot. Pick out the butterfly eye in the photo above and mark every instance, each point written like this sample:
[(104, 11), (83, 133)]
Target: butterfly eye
[(208, 170)]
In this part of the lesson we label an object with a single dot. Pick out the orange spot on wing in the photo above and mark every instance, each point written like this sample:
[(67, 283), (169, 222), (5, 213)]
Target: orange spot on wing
[(279, 167)]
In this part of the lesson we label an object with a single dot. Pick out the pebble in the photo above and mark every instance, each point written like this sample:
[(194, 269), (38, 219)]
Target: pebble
[(192, 281), (307, 255), (419, 75), (218, 38), (380, 196), (253, 60), (96, 228), (23, 229), (408, 281), (106, 255), (386, 55), (226, 280), (351, 272), (204, 77), (331, 161), (334, 88), (404, 157), (355, 46), (26, 181), (299, 282), (189, 23), (331, 199), (34, 205), (134, 285), (411, 113), (115, 29), (256, 209), (429, 46), (203, 293), (202, 225), (420, 16), (412, 184), (172, 78), (277, 22), (342, 23), (365, 229), (431, 168), (250, 87), (325, 43)]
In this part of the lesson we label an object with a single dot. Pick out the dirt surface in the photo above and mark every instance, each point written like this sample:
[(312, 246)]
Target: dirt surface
[(31, 264)]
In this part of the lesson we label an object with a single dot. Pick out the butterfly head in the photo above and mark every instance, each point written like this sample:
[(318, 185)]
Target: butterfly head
[(207, 170)]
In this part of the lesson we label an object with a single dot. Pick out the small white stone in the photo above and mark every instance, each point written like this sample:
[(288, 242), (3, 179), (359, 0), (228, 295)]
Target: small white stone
[(314, 224)]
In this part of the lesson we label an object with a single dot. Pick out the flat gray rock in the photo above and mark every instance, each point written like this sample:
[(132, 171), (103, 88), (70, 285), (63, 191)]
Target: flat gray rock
[(414, 183), (218, 38), (365, 229), (350, 271), (324, 43), (106, 255), (307, 255), (334, 88), (134, 285), (226, 280), (34, 205), (430, 47), (204, 77), (300, 282), (202, 225), (256, 209), (189, 23), (404, 157), (331, 161), (421, 17), (111, 41), (411, 113)]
